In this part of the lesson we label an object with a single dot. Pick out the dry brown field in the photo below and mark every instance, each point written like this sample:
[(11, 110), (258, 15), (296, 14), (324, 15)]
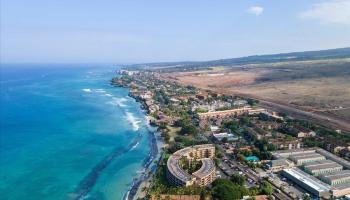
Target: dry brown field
[(315, 86)]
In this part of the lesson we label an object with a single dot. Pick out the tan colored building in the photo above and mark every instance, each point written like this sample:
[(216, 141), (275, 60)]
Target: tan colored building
[(224, 113), (322, 167), (278, 165), (336, 178), (202, 177), (341, 190), (206, 174), (282, 143)]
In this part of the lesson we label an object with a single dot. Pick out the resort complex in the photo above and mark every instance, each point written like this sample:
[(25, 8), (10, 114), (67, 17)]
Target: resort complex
[(177, 176)]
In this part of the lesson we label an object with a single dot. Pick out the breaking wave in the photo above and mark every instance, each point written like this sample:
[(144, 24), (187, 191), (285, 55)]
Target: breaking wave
[(133, 147), (100, 90), (133, 121), (87, 90), (118, 101)]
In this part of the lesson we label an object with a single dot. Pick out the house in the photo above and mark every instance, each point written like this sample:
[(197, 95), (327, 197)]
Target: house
[(282, 143), (261, 197), (240, 102), (147, 95), (214, 128), (278, 165), (175, 101), (221, 136), (202, 96)]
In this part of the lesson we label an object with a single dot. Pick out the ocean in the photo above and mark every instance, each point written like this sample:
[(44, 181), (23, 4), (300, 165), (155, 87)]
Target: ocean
[(66, 133)]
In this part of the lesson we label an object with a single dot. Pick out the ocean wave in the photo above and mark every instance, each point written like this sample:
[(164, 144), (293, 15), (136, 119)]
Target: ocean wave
[(87, 90), (118, 101), (100, 90), (130, 194), (108, 95), (133, 147), (133, 121)]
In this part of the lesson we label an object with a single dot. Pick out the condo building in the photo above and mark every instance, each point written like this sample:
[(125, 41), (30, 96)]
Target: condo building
[(177, 176)]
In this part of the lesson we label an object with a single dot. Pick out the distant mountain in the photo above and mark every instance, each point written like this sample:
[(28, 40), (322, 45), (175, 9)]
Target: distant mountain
[(294, 56)]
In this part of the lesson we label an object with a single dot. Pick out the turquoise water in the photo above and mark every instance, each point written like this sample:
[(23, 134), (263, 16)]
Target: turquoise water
[(67, 134), (252, 158)]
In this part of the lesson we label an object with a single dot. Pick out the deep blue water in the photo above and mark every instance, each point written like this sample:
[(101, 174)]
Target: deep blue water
[(65, 133)]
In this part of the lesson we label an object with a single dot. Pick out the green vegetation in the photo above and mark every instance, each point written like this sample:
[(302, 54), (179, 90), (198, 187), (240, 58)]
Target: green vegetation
[(231, 125), (234, 188), (188, 129), (266, 188), (252, 102), (190, 165), (238, 179), (225, 189)]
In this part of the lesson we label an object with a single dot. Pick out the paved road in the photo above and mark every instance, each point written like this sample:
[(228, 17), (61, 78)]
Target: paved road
[(249, 173), (317, 118)]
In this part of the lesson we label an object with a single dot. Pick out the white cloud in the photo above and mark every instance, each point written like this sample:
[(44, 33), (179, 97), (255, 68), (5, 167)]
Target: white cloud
[(255, 10), (330, 12)]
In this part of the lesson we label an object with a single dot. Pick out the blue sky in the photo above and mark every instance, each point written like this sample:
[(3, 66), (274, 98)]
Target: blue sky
[(130, 31)]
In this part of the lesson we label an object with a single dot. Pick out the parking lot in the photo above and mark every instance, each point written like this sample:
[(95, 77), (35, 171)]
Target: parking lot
[(228, 167), (286, 185)]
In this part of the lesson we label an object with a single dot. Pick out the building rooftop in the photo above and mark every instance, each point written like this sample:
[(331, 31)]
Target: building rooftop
[(280, 162), (343, 162), (337, 175), (203, 146), (319, 162), (175, 168), (306, 156), (289, 152), (322, 164), (207, 167), (341, 186), (229, 136), (307, 179)]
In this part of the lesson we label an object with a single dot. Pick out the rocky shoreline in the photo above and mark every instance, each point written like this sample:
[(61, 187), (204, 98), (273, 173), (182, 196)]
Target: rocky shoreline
[(147, 173), (148, 170)]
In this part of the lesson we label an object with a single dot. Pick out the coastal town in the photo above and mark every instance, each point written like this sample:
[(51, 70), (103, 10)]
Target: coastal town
[(220, 146)]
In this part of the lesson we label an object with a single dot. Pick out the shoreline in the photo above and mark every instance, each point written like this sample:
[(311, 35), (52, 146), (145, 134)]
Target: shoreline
[(155, 154)]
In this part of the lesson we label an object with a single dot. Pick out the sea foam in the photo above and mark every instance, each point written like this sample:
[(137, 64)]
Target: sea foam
[(87, 90), (133, 121), (133, 147), (118, 101), (100, 90)]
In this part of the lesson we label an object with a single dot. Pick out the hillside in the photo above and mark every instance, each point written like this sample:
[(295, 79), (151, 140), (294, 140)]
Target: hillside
[(254, 59)]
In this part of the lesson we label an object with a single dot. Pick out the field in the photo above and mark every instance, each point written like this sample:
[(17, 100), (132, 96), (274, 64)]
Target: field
[(317, 86)]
